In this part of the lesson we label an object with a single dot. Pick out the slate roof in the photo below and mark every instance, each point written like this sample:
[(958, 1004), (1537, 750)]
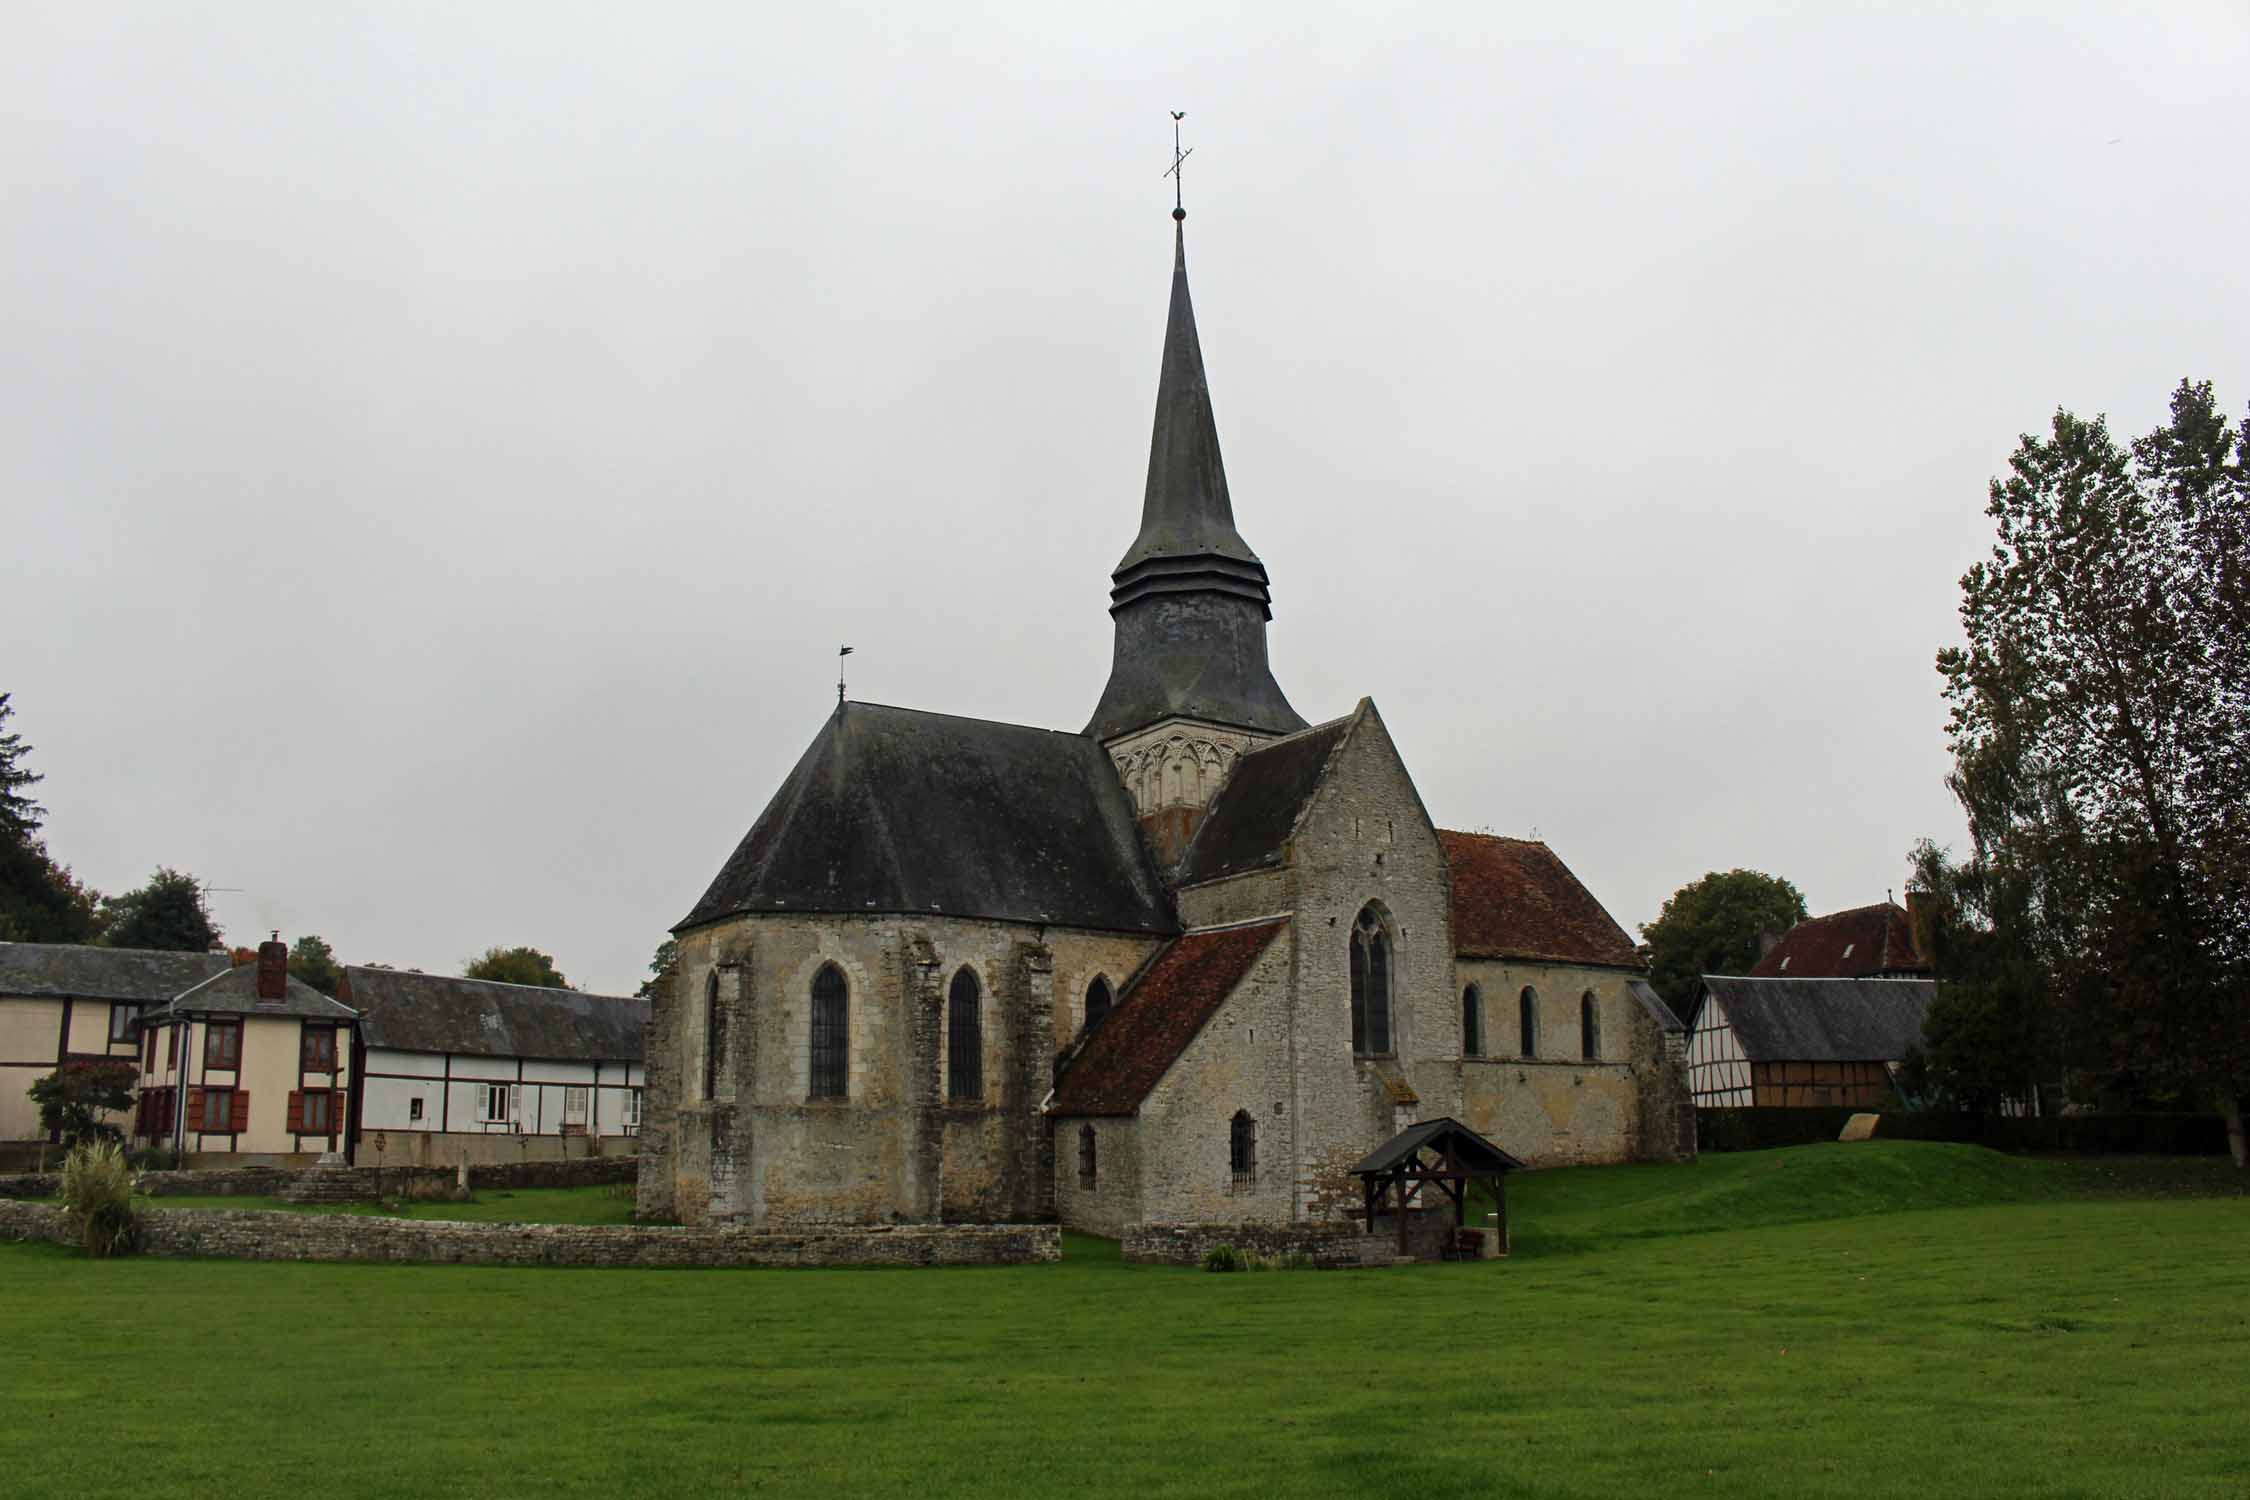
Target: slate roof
[(479, 1017), (1866, 940), (1513, 898), (1653, 1003), (1250, 821), (1821, 1020), (70, 971), (235, 992), (1182, 987), (896, 810), (1443, 1134)]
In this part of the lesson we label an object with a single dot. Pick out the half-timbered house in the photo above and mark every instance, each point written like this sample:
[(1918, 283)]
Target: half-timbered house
[(1756, 1042), (472, 1070)]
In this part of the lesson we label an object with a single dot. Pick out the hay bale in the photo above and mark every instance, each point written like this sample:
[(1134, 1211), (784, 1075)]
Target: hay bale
[(1859, 1128)]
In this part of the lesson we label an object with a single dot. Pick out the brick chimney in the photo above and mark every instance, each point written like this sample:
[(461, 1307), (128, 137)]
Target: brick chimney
[(1918, 916), (273, 970)]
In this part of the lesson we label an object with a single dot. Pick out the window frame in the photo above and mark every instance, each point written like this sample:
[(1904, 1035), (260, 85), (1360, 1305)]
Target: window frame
[(327, 1099), (1242, 1146), (223, 1096), (506, 1094), (1099, 986), (228, 1057), (1374, 1032), (1527, 1023), (131, 1014), (1089, 1156), (1472, 1020), (309, 1056), (964, 1038), (828, 1058), (1589, 1028), (414, 1110)]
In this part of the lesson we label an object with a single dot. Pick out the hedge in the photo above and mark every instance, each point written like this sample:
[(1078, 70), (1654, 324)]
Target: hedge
[(2140, 1135)]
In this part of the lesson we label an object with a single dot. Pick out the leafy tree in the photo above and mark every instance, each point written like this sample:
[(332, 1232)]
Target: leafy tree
[(1991, 1034), (40, 901), (660, 968), (1712, 926), (166, 913), (517, 966), (2100, 724), (73, 1099), (314, 962)]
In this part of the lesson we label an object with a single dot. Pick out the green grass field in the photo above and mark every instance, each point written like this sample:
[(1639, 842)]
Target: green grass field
[(2042, 1335)]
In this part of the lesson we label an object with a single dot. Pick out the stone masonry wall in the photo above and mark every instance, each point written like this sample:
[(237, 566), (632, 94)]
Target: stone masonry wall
[(1113, 1200), (895, 1149), (1238, 1062), (1330, 1247), (248, 1234)]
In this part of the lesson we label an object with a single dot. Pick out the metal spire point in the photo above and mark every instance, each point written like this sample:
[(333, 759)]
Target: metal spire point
[(1179, 208)]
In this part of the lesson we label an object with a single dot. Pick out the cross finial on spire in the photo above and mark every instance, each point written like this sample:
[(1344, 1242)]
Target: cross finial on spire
[(1179, 208)]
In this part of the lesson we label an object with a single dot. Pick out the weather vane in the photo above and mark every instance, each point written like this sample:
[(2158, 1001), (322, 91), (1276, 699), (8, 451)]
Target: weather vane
[(1179, 208)]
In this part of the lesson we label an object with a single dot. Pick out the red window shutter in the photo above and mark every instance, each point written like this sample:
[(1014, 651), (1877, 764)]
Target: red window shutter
[(296, 1111), (195, 1108), (335, 1113), (241, 1120)]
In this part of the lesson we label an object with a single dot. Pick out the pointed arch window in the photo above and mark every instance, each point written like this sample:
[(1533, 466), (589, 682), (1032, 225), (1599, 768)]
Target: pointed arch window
[(1371, 984), (1086, 1158), (714, 1036), (831, 1034), (1527, 1021), (1589, 1027), (1242, 1144), (1098, 1001), (964, 1039), (1472, 1022)]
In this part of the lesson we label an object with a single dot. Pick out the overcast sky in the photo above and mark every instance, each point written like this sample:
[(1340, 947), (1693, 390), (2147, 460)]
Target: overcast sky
[(442, 447)]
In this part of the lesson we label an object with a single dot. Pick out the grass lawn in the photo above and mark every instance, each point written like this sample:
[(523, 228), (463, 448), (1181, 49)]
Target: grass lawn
[(2048, 1337)]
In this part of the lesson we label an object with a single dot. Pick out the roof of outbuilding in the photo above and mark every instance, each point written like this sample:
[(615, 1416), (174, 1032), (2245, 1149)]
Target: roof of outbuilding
[(66, 970), (1250, 821), (1821, 1020), (1866, 940), (1445, 1134), (1182, 987), (1513, 898), (409, 1012), (235, 992), (896, 810)]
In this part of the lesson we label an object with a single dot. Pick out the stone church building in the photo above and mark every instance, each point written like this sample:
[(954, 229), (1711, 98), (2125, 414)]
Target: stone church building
[(1186, 965)]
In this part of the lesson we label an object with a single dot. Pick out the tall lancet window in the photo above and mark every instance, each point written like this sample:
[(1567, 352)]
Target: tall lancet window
[(714, 1036), (964, 1040), (1527, 1020), (1097, 1002), (1472, 1022), (1371, 984), (831, 1034), (1589, 1027)]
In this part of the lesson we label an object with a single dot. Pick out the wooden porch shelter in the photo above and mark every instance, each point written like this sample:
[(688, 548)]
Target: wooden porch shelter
[(1442, 1151)]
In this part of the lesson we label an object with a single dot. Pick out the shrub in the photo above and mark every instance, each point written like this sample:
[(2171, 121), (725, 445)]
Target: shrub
[(97, 1189), (1223, 1258), (155, 1159)]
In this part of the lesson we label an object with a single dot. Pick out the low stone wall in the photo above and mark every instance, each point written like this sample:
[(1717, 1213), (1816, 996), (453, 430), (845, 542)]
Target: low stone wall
[(251, 1234), (232, 1182), (1331, 1247), (268, 1182)]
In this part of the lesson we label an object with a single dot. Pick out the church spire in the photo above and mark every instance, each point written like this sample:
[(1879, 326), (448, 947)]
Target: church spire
[(1189, 597)]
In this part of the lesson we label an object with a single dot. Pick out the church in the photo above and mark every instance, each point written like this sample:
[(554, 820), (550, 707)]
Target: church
[(1186, 965)]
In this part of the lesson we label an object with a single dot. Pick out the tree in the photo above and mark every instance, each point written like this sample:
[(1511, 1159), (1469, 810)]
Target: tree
[(1713, 926), (314, 962), (40, 901), (660, 968), (2100, 725), (1990, 1035), (73, 1100), (517, 966), (166, 913)]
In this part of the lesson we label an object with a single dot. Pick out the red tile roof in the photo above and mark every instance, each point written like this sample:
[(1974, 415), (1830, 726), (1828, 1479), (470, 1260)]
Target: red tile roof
[(1181, 989), (1861, 943), (1512, 898)]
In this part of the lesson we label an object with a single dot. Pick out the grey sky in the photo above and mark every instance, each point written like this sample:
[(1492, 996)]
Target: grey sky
[(443, 446)]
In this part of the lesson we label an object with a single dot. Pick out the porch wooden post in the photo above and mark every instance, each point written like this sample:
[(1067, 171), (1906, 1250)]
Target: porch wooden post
[(1401, 1180)]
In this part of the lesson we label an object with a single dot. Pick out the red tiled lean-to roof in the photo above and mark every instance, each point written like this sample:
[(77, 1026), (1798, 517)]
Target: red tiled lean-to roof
[(1861, 943), (1512, 898), (1180, 990)]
